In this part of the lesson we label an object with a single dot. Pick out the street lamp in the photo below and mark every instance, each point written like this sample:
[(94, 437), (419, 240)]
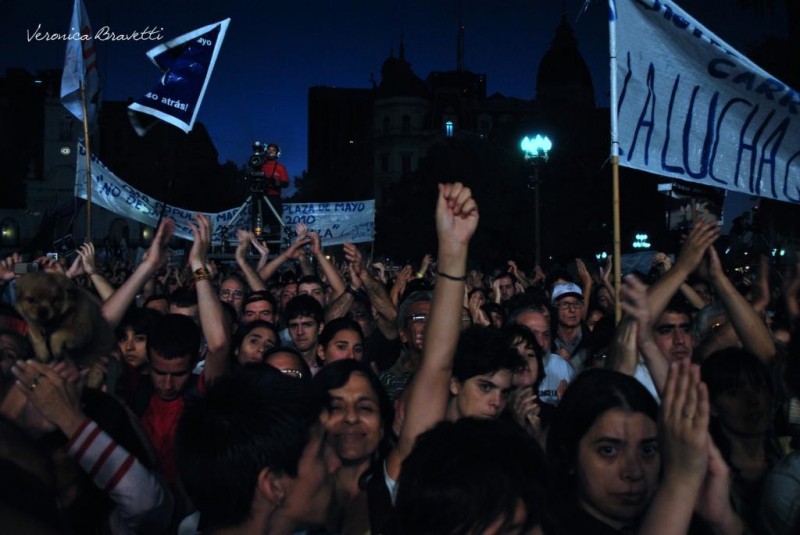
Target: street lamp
[(535, 150)]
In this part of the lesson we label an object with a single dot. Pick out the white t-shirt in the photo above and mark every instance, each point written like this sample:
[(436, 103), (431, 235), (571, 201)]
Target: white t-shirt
[(556, 369)]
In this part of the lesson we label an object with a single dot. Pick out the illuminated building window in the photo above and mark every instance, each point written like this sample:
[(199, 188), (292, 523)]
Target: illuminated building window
[(448, 129)]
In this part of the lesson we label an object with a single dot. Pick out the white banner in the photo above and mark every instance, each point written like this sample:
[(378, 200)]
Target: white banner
[(335, 222), (692, 108)]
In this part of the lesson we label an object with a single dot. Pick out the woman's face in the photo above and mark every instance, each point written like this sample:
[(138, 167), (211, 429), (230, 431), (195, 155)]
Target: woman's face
[(528, 374), (345, 344), (354, 420), (604, 300), (617, 467), (482, 396), (743, 410), (133, 348), (254, 344), (593, 318)]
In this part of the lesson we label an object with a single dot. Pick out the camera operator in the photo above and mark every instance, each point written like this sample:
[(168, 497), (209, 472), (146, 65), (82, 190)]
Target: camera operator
[(276, 175)]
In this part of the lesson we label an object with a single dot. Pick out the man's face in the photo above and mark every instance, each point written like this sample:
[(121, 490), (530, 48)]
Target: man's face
[(539, 326), (570, 311), (170, 376), (313, 289), (362, 315), (671, 334), (258, 310), (288, 291), (413, 333), (304, 331), (231, 291), (307, 497), (507, 289)]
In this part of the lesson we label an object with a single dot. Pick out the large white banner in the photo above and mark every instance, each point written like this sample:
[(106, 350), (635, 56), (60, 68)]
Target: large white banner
[(692, 108), (335, 222)]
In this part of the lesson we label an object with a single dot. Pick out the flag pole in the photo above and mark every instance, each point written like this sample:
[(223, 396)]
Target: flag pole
[(88, 145), (612, 48)]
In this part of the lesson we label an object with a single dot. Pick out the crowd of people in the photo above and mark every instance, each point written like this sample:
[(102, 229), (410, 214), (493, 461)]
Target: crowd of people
[(298, 394)]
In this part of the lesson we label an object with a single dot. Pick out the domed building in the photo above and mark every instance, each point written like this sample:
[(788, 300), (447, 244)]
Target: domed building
[(563, 78)]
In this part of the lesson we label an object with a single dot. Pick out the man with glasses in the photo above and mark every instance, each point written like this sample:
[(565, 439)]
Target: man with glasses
[(233, 291), (412, 318), (571, 337)]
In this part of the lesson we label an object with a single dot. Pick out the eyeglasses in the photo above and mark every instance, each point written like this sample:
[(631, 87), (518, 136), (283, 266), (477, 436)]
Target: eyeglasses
[(419, 318), (236, 294), (572, 305), (295, 374)]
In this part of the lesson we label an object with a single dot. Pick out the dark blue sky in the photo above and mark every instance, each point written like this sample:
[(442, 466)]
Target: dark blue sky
[(275, 50)]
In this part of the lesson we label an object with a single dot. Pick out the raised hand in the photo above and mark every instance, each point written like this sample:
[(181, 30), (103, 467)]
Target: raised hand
[(684, 425), (456, 215), (201, 236), (7, 267), (156, 254), (86, 252), (697, 242)]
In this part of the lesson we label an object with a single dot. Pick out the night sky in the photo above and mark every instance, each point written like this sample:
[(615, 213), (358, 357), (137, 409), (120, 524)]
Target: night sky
[(274, 51)]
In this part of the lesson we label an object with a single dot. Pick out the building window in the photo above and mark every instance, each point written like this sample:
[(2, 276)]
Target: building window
[(448, 129), (406, 125), (384, 163), (406, 163), (385, 125)]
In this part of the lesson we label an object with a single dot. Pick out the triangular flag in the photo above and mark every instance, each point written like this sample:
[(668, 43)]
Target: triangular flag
[(187, 62)]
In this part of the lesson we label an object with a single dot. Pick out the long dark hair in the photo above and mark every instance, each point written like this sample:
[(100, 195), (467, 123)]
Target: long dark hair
[(589, 396), (337, 374)]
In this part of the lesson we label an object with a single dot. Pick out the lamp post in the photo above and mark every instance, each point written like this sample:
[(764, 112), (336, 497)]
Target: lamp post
[(535, 150)]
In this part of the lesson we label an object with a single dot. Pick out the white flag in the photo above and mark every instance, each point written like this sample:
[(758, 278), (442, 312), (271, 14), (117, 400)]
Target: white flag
[(80, 67), (693, 108)]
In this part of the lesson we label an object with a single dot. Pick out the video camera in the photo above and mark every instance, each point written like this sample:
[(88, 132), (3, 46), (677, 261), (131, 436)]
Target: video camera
[(255, 164)]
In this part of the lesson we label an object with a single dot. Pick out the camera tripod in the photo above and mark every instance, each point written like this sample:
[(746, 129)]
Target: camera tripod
[(256, 201)]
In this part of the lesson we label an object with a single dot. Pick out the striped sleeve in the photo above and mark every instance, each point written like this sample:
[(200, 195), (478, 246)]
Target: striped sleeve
[(100, 456), (143, 501)]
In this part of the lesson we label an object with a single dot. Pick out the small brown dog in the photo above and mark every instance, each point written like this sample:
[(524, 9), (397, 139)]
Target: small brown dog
[(64, 320)]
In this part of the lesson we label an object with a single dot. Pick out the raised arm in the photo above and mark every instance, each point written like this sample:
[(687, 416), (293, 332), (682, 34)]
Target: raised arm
[(750, 328), (87, 261), (791, 290), (332, 274), (634, 304), (699, 240), (273, 265), (685, 452), (587, 284), (253, 280), (456, 221), (114, 307), (209, 307)]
